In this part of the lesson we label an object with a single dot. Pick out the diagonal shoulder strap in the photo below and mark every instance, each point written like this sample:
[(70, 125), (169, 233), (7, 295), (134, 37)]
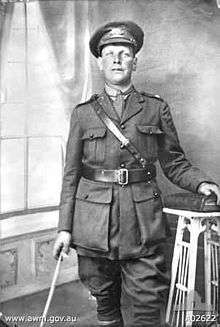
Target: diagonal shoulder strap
[(125, 142)]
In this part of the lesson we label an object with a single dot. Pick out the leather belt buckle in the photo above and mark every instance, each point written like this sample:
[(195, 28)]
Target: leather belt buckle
[(122, 176)]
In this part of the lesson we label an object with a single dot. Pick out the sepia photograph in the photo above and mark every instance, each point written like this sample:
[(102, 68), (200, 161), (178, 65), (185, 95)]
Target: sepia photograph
[(109, 163)]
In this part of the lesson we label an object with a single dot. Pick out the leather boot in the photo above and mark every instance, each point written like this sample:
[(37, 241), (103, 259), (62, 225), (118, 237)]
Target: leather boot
[(112, 323)]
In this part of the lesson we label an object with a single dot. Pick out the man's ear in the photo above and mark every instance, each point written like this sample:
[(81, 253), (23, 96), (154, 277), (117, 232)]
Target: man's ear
[(99, 62), (134, 65)]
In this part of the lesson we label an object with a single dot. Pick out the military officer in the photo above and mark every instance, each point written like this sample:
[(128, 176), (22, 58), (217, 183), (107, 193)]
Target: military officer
[(111, 208)]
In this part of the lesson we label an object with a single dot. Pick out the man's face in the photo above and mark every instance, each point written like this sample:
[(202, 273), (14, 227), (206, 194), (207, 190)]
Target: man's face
[(117, 63)]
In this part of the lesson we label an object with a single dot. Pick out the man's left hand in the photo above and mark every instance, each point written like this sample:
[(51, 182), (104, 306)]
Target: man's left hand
[(209, 188)]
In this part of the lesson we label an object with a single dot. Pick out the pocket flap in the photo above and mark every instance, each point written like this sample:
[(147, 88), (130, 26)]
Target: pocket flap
[(143, 192), (93, 133), (93, 192), (149, 129)]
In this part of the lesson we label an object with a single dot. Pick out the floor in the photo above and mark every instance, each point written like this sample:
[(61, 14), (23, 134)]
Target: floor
[(71, 306)]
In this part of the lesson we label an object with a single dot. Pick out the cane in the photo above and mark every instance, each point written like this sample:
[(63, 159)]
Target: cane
[(52, 288)]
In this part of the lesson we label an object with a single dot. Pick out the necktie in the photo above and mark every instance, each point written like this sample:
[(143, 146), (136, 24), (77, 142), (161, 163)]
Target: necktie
[(118, 103)]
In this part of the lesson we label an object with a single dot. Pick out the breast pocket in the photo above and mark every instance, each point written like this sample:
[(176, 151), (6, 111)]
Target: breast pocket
[(148, 139), (94, 145)]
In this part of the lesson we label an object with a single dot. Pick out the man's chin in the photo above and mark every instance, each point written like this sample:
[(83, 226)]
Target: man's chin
[(119, 81)]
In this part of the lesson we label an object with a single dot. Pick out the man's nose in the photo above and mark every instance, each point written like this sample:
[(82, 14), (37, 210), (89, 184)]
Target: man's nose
[(117, 58)]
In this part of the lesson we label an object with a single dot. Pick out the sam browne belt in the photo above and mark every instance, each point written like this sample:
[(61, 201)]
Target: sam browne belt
[(121, 176), (125, 142)]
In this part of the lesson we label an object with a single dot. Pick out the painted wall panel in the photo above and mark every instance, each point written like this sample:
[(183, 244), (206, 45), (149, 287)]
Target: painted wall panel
[(12, 175), (45, 171)]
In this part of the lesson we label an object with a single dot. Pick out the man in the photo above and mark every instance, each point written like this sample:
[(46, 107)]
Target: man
[(111, 209)]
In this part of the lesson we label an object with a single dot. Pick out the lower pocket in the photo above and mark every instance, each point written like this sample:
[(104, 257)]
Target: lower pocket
[(150, 220), (91, 225)]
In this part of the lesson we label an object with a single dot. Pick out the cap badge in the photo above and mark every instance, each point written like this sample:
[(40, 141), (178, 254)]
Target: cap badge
[(117, 31)]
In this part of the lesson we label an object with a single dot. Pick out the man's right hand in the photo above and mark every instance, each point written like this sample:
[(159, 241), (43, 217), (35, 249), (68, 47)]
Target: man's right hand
[(62, 243)]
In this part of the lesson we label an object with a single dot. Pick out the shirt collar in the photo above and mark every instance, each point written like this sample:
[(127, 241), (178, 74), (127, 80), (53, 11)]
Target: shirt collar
[(112, 92)]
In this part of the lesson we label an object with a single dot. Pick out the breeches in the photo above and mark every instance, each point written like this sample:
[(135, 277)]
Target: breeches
[(133, 291)]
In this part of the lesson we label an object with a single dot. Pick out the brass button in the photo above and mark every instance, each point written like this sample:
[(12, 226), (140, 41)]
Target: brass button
[(156, 195), (122, 165), (148, 173), (123, 126), (122, 146)]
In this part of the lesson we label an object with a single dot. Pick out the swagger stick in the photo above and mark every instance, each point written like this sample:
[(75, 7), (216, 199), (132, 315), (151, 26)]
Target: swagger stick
[(51, 292)]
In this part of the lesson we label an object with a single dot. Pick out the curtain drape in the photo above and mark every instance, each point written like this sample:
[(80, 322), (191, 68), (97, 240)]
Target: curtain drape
[(67, 23)]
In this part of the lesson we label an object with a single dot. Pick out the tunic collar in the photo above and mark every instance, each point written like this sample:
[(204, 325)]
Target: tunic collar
[(113, 92)]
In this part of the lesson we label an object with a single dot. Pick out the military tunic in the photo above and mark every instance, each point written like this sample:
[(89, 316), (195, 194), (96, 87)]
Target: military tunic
[(105, 219)]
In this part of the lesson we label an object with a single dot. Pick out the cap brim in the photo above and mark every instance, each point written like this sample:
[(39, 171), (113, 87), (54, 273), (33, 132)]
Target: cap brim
[(116, 40)]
